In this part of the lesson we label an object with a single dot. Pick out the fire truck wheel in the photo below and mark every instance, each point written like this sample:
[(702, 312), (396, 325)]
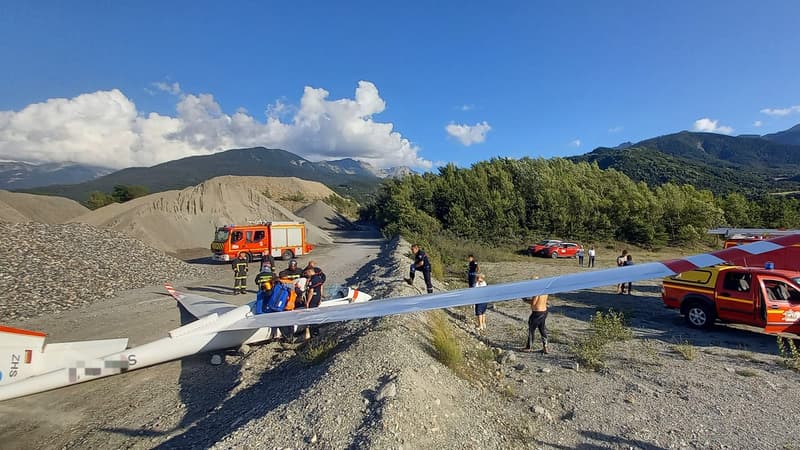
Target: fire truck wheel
[(699, 315), (287, 255)]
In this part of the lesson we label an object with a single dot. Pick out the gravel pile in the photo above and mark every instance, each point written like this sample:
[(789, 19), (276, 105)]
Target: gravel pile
[(50, 268)]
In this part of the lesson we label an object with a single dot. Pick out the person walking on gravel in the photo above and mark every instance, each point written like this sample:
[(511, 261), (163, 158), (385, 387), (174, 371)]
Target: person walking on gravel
[(421, 262), (592, 254), (239, 266), (537, 320)]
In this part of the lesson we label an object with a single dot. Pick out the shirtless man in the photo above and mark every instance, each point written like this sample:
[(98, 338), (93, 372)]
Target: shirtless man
[(537, 320)]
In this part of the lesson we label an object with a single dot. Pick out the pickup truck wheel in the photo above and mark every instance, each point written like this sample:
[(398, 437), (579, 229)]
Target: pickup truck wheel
[(699, 315), (287, 255), (554, 255)]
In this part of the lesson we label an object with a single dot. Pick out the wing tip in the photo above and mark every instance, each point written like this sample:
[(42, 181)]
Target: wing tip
[(12, 330)]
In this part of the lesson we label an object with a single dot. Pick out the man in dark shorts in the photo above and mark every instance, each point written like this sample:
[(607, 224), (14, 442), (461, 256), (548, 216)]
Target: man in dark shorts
[(421, 263), (536, 321)]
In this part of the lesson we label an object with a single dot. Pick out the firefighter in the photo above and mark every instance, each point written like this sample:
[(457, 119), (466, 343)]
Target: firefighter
[(264, 280), (316, 279), (421, 262), (292, 272), (239, 266)]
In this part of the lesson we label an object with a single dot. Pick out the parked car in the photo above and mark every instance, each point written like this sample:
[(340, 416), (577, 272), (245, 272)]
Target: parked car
[(562, 250), (538, 247)]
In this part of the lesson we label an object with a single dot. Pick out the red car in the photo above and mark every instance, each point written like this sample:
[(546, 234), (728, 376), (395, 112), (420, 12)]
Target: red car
[(562, 250), (539, 247)]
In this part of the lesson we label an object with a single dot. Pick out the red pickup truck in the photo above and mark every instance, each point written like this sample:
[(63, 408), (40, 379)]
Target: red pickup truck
[(761, 297)]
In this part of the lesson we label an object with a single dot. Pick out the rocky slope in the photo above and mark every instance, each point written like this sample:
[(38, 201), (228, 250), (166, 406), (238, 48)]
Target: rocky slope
[(51, 268)]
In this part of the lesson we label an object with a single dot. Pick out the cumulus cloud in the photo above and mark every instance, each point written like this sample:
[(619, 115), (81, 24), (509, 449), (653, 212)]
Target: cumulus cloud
[(758, 123), (575, 143), (779, 112), (467, 134), (105, 128), (711, 126)]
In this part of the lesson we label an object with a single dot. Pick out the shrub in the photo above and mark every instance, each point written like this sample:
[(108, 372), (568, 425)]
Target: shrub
[(686, 349), (316, 353), (789, 353), (446, 348), (296, 197), (604, 328), (610, 326)]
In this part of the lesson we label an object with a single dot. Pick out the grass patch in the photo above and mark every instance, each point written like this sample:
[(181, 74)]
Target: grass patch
[(296, 197), (686, 349), (315, 353), (605, 328), (649, 350), (445, 345), (790, 355), (342, 205), (746, 373)]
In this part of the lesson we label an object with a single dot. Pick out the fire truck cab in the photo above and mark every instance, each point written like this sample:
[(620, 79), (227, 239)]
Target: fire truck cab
[(280, 239), (761, 297)]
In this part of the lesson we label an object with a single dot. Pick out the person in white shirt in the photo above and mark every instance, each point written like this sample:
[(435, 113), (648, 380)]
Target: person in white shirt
[(591, 256), (480, 308)]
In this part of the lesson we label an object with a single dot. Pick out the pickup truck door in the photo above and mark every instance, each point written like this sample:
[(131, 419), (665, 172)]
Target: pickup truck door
[(735, 297), (783, 306)]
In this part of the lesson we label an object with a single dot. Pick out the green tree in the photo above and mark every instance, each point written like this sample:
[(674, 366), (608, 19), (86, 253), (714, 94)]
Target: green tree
[(98, 199), (122, 193)]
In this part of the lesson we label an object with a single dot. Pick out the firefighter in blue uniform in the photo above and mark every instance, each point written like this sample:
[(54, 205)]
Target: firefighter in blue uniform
[(421, 263), (239, 266)]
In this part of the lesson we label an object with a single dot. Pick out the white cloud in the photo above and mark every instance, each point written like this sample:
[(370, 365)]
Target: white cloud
[(711, 126), (779, 112), (105, 128), (468, 107), (467, 134), (171, 88), (575, 143), (758, 123), (616, 129)]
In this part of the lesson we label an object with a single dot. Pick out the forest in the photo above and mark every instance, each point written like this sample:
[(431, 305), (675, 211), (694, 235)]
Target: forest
[(510, 201)]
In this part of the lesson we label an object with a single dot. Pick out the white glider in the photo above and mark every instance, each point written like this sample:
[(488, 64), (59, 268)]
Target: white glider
[(30, 366)]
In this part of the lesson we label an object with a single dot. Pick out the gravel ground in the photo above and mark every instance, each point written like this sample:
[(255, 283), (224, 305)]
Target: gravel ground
[(375, 383), (52, 268)]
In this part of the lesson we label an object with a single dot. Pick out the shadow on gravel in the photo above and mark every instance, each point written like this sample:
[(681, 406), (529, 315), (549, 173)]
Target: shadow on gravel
[(213, 414), (665, 324), (603, 441)]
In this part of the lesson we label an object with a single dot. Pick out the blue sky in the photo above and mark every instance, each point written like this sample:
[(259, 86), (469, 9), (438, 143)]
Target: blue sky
[(137, 83)]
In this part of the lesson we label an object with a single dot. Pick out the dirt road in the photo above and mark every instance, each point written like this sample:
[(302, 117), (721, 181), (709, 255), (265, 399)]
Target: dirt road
[(111, 412)]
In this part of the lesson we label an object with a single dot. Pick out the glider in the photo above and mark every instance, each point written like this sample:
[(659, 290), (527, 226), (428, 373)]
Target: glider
[(30, 366)]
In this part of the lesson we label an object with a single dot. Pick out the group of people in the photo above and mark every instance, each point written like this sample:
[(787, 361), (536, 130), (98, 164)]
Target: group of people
[(538, 304), (303, 286), (592, 254)]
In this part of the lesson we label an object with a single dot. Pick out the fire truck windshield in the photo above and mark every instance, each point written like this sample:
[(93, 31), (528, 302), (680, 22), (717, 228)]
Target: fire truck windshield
[(221, 235)]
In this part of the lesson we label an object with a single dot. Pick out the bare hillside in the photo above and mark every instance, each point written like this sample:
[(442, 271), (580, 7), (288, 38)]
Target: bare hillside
[(16, 207), (186, 219)]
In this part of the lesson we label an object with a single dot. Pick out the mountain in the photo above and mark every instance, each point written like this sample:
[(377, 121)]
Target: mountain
[(22, 175), (720, 163), (790, 136), (346, 178), (351, 166)]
